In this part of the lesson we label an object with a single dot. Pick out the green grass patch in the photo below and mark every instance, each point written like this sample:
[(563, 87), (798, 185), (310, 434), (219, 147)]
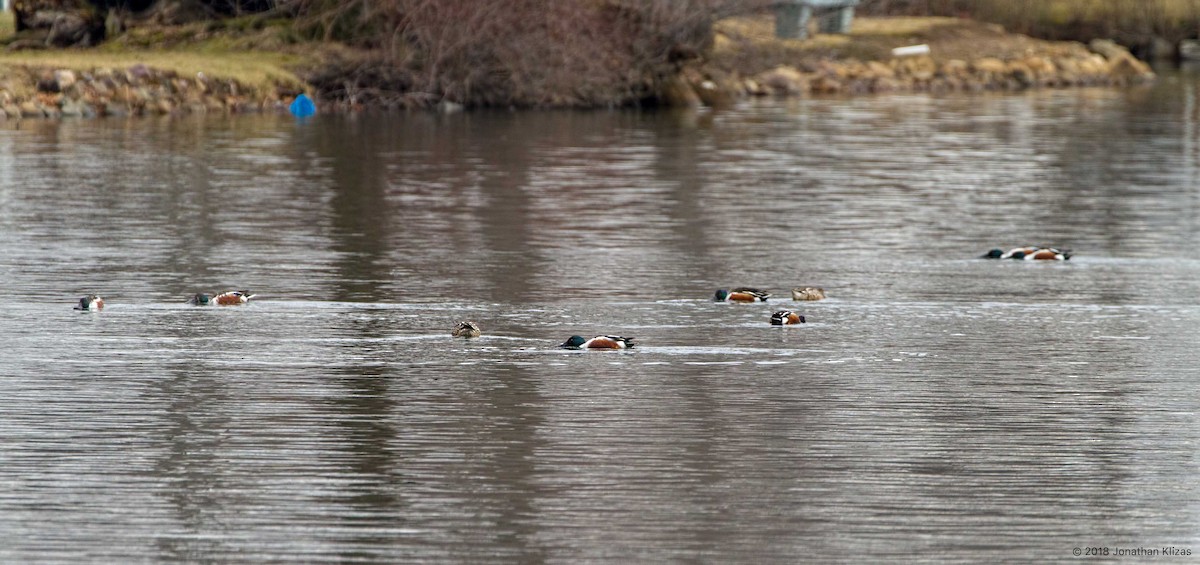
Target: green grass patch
[(257, 71), (256, 53), (1172, 19), (8, 25)]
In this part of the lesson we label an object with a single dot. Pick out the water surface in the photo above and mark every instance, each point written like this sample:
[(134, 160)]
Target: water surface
[(937, 407)]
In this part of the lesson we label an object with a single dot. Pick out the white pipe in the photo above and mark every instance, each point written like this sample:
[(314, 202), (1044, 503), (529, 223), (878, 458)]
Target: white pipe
[(911, 50)]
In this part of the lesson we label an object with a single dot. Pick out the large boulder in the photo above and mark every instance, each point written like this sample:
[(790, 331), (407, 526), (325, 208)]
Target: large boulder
[(784, 81), (1122, 65)]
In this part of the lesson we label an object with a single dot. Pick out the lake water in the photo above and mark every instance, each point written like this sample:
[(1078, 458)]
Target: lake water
[(936, 407)]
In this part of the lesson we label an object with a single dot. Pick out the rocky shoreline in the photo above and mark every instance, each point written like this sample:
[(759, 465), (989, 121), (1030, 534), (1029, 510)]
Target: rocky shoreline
[(1107, 65), (134, 91), (29, 93), (1103, 63)]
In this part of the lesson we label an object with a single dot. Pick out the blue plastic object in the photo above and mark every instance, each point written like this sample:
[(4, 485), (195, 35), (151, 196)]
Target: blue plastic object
[(302, 106)]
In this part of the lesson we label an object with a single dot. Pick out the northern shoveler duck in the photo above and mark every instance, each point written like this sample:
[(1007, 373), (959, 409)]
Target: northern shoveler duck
[(741, 294), (598, 342), (466, 328), (808, 293), (786, 318), (230, 298), (90, 302), (1030, 253), (1043, 254), (1002, 254)]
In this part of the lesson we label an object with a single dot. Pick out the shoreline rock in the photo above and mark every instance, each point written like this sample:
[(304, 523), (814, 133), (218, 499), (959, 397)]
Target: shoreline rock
[(1106, 64), (134, 91)]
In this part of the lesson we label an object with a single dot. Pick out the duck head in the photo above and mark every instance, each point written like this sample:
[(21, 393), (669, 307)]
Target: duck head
[(466, 328), (90, 302), (574, 342)]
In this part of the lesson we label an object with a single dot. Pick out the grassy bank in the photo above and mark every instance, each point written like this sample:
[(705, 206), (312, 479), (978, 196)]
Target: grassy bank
[(1130, 22), (7, 25), (749, 43), (959, 55), (1085, 19), (259, 70)]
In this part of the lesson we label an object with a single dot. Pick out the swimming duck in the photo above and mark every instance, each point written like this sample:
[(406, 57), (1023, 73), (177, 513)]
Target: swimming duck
[(1002, 254), (224, 299), (808, 293), (466, 328), (228, 299), (741, 294), (786, 318), (1043, 254), (1030, 253), (598, 342), (90, 302)]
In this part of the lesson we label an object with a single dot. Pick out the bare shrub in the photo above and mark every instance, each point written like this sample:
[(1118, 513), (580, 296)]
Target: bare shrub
[(527, 52)]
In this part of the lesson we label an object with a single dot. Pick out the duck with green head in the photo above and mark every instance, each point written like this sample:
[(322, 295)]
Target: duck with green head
[(741, 294), (598, 342), (90, 302)]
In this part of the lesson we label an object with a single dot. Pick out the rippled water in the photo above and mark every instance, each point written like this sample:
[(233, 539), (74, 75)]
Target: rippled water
[(937, 407)]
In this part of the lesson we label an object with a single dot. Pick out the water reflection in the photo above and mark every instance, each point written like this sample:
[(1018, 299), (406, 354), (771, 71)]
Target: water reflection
[(935, 404)]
